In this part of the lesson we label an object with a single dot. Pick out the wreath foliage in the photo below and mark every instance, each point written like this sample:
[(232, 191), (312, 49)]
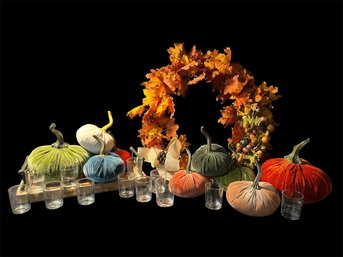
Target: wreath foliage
[(247, 108)]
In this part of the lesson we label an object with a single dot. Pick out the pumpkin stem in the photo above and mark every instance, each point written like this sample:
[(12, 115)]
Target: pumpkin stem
[(255, 185), (102, 144), (293, 157), (60, 141), (133, 151), (188, 169), (208, 138), (104, 128), (235, 155)]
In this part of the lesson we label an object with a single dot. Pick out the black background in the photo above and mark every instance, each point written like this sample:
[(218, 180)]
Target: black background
[(70, 62)]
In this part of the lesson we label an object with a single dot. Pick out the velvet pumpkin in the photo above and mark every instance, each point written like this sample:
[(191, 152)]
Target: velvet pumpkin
[(84, 136), (211, 159), (122, 153), (255, 198), (293, 172), (103, 167), (237, 173), (188, 184), (48, 159)]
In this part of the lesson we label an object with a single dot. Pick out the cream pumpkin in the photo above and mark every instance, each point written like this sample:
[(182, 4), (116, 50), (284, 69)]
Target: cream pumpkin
[(85, 137)]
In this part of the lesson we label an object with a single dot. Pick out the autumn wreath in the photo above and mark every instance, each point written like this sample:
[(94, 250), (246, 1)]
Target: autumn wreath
[(248, 109)]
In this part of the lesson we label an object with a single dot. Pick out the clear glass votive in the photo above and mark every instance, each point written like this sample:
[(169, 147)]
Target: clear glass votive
[(53, 194), (126, 185), (213, 196), (85, 191), (143, 189)]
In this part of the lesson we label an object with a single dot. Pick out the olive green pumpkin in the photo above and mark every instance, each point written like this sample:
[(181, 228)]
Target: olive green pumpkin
[(48, 159), (211, 159), (236, 173)]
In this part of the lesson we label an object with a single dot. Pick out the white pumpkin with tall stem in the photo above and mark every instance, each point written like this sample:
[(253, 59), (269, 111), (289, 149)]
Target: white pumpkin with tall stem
[(84, 136)]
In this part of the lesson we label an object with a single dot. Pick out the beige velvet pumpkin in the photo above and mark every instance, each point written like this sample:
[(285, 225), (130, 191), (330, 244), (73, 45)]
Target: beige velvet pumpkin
[(253, 198), (188, 184), (84, 136)]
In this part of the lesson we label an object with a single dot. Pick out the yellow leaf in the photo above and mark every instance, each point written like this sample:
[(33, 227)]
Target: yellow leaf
[(163, 105), (136, 111), (151, 97), (176, 52)]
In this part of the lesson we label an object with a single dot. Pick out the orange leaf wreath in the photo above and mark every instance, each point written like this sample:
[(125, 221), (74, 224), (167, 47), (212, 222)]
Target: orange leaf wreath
[(249, 108)]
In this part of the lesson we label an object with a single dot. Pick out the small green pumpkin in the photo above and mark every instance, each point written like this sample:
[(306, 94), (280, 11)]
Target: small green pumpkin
[(236, 173), (103, 167), (211, 159), (48, 159)]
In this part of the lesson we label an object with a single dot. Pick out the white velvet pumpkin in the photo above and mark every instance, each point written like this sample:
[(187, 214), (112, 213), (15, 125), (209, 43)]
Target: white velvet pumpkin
[(85, 137)]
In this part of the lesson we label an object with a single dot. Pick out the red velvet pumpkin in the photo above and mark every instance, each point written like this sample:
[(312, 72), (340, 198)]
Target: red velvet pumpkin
[(293, 172), (122, 154), (188, 184)]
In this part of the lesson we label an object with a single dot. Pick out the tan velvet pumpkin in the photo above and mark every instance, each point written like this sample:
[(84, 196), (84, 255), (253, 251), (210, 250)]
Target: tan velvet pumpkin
[(187, 184), (253, 198)]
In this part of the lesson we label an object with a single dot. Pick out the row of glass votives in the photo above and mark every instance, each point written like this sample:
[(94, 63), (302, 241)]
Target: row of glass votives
[(53, 193)]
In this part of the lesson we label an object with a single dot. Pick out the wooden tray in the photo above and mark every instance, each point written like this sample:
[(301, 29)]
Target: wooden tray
[(98, 188)]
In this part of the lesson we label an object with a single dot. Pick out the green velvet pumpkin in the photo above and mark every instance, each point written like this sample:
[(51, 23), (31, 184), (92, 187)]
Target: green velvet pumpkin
[(103, 167), (236, 173), (48, 159), (211, 159)]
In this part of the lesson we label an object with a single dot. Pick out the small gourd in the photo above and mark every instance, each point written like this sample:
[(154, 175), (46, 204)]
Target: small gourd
[(211, 159), (188, 184), (84, 136), (255, 198), (48, 159), (103, 167), (293, 172)]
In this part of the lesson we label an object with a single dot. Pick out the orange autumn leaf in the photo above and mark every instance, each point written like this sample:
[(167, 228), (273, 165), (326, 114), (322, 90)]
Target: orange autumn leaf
[(166, 104), (233, 86), (229, 116), (197, 79), (184, 143), (136, 111), (237, 133), (183, 161), (176, 52)]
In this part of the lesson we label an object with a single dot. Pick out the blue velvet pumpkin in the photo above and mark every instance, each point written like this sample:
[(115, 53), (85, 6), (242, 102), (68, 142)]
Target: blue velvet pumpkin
[(103, 167)]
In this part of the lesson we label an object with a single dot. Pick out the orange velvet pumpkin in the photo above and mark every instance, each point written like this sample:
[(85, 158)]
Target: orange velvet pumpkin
[(253, 198), (188, 184), (293, 172)]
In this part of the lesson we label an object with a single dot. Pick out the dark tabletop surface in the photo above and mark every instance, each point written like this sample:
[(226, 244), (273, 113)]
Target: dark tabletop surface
[(70, 62)]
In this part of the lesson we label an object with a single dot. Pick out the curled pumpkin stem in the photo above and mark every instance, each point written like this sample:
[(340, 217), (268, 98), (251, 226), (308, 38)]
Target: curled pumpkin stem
[(60, 140), (102, 144), (104, 128), (188, 169), (255, 185), (208, 138), (294, 155)]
